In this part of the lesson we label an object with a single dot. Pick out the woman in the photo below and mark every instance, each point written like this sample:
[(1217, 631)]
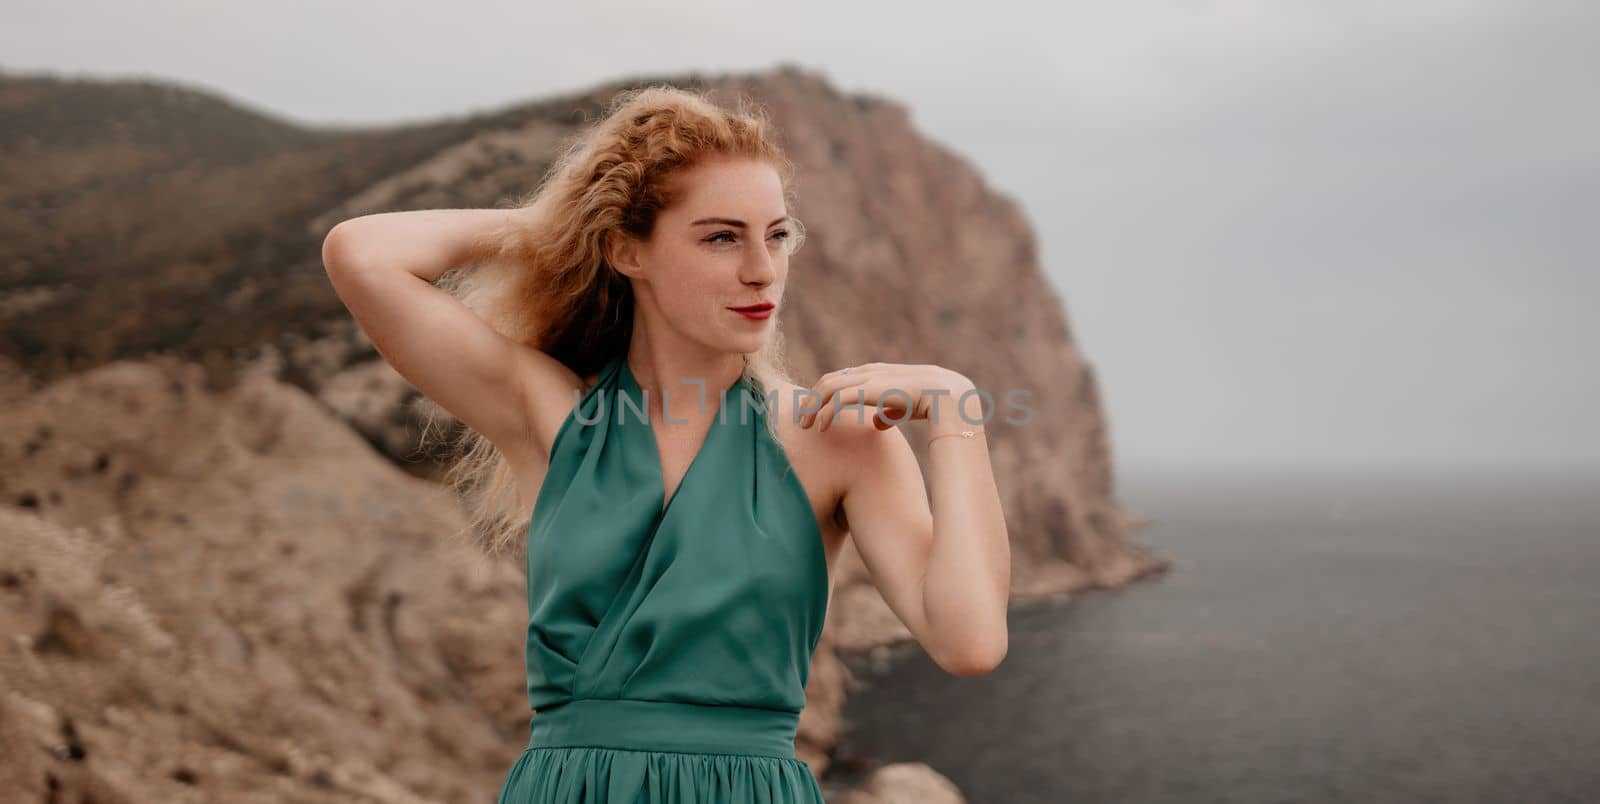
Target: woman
[(679, 544)]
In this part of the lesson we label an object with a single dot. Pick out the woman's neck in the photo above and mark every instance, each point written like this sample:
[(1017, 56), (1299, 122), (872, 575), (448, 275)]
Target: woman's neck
[(689, 381)]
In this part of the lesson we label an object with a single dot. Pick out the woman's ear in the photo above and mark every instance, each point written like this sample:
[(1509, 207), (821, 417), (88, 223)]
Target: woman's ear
[(622, 252)]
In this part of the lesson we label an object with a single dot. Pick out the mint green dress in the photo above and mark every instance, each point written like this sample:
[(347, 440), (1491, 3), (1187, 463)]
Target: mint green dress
[(668, 646)]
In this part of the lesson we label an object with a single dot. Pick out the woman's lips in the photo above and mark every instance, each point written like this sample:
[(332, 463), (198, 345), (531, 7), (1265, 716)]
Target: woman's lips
[(755, 312)]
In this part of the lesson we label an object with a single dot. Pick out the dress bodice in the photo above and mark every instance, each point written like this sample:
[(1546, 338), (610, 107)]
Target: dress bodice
[(717, 599)]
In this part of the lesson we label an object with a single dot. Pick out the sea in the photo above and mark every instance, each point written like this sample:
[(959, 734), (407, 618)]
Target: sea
[(1352, 634)]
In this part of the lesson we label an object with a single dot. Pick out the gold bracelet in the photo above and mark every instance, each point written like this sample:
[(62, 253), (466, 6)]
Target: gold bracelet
[(963, 434)]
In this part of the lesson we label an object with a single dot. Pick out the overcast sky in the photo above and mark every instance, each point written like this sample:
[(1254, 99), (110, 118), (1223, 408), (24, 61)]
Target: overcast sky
[(1287, 232)]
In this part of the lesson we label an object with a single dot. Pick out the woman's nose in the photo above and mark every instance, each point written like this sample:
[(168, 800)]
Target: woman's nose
[(760, 266)]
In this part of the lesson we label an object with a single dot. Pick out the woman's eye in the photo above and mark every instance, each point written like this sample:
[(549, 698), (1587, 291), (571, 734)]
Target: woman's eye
[(727, 237)]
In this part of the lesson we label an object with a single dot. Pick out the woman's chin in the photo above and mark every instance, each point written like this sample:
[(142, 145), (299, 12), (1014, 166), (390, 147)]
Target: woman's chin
[(747, 343)]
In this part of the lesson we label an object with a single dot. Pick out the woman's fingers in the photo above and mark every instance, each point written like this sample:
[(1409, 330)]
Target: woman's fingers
[(897, 392), (827, 389), (868, 384), (856, 395)]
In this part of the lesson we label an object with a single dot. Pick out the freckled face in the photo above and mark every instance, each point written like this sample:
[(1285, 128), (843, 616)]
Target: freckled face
[(724, 242)]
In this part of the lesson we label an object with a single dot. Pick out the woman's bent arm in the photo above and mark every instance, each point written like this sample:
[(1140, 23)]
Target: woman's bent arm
[(383, 266), (424, 242)]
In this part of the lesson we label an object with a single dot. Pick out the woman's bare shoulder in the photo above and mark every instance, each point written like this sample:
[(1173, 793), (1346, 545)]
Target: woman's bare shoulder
[(822, 458)]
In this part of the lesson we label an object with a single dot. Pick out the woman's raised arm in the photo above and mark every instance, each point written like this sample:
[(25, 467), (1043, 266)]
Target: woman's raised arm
[(383, 266)]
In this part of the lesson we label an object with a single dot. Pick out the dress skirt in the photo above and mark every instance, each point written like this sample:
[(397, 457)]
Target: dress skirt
[(616, 751)]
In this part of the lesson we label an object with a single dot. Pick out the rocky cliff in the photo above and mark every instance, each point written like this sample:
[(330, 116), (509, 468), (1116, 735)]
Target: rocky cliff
[(225, 568)]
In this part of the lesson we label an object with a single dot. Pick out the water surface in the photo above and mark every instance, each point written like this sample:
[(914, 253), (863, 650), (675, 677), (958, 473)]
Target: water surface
[(1361, 636)]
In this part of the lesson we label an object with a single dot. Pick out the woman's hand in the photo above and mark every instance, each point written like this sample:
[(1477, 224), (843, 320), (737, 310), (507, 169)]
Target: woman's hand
[(899, 393)]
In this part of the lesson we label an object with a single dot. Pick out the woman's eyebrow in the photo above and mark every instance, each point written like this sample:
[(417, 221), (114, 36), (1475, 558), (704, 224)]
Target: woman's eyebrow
[(736, 223)]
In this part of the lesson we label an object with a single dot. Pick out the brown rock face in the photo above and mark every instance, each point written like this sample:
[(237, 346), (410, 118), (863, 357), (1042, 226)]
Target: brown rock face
[(233, 592), (219, 583)]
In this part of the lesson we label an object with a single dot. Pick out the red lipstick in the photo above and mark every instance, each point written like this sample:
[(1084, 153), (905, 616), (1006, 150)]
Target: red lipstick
[(755, 312)]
